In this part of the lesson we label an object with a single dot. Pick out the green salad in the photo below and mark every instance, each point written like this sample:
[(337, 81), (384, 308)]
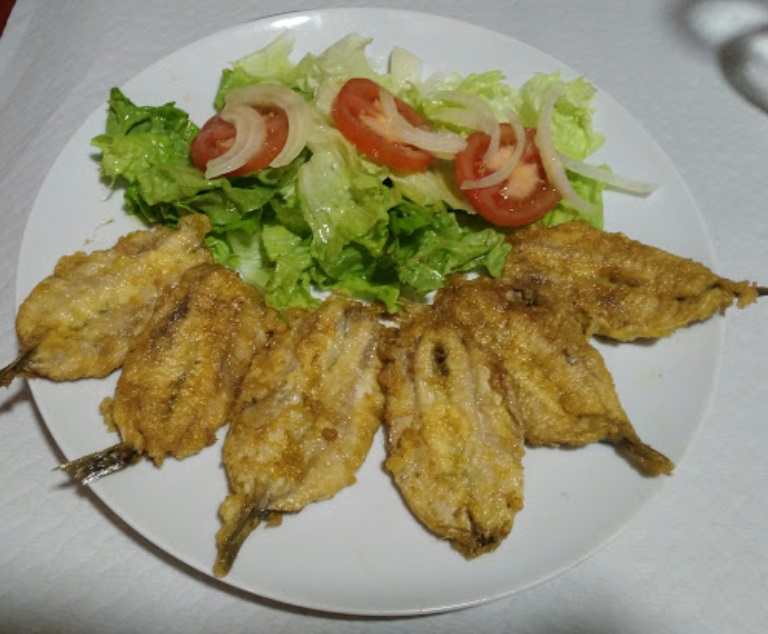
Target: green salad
[(332, 218)]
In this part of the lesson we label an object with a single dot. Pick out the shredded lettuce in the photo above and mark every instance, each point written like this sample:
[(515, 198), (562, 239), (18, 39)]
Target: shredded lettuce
[(333, 220)]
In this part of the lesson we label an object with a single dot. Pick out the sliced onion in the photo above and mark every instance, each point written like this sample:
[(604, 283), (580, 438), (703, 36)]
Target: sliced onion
[(250, 132), (611, 179), (297, 110), (404, 66), (394, 126), (474, 113), (504, 171), (493, 146), (551, 159)]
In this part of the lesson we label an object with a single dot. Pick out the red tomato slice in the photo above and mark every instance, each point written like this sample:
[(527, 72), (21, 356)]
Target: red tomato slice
[(524, 197), (359, 97), (217, 136)]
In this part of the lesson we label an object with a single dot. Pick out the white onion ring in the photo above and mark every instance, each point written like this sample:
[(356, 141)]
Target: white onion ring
[(503, 172), (477, 114), (297, 110), (250, 132), (474, 112), (611, 179), (395, 126), (493, 145), (551, 159)]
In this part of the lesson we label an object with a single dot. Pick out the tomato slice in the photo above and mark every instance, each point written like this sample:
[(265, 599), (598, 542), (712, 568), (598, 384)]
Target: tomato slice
[(217, 136), (358, 98), (524, 197)]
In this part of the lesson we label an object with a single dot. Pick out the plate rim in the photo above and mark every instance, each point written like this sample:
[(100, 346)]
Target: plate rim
[(337, 11)]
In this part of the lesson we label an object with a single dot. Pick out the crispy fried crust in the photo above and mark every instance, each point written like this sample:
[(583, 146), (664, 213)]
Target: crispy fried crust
[(180, 379), (619, 288), (82, 320), (555, 382), (304, 421), (462, 385), (454, 448)]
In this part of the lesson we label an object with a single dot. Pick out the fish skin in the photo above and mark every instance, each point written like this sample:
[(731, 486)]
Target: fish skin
[(81, 321), (555, 381), (454, 450), (304, 420), (620, 288), (179, 381)]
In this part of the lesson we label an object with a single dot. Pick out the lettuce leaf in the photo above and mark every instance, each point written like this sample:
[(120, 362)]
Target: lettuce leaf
[(430, 245), (139, 137), (572, 128), (332, 219)]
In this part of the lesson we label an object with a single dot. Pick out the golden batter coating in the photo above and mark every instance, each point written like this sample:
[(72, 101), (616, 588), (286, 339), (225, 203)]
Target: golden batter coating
[(82, 320), (621, 288), (179, 381), (462, 385), (304, 421), (556, 383), (454, 449)]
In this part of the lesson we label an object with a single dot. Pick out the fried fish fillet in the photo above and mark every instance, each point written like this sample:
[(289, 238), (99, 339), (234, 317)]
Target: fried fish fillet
[(454, 449), (82, 320), (555, 382), (304, 421), (179, 380), (620, 288)]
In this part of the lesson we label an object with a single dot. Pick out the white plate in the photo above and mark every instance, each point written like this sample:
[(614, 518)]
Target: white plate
[(362, 552)]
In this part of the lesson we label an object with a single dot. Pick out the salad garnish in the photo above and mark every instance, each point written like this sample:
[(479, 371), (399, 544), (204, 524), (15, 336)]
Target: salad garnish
[(328, 174)]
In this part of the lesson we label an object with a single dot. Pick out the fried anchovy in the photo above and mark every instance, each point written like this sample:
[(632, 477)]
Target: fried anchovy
[(454, 450), (556, 383), (178, 383), (620, 288), (82, 320), (304, 419)]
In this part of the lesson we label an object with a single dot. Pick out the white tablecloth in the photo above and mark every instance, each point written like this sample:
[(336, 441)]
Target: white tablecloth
[(696, 557)]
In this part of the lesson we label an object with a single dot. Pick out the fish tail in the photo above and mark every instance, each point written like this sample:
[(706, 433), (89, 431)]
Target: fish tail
[(644, 457), (239, 519), (90, 468), (14, 369)]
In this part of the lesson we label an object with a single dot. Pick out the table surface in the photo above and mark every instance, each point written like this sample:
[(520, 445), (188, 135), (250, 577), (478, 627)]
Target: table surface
[(696, 557)]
